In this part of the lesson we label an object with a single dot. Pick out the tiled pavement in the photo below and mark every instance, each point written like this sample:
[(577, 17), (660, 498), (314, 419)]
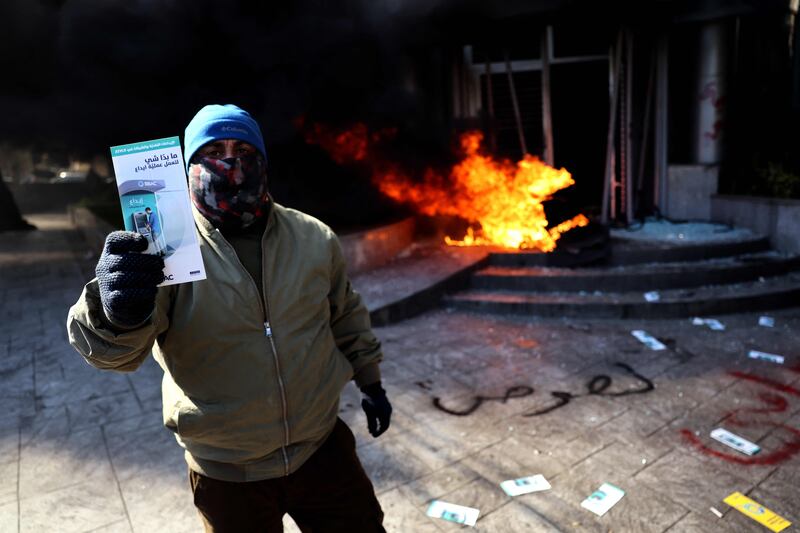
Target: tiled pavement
[(84, 450)]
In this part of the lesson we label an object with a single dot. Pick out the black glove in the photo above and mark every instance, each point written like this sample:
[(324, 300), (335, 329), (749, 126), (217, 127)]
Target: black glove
[(128, 278), (377, 408)]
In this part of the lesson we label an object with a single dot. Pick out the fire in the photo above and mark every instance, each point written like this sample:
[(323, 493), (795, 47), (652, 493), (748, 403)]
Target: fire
[(501, 200)]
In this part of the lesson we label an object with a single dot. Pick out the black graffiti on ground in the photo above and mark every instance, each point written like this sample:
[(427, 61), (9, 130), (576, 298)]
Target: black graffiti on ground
[(597, 386)]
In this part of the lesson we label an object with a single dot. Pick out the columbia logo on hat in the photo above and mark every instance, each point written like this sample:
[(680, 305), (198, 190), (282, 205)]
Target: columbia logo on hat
[(234, 128)]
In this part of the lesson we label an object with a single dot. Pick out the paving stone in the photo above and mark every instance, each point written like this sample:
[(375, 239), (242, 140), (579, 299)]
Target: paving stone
[(699, 522), (401, 516), (549, 459), (494, 463), (92, 412), (161, 501), (512, 518), (53, 458), (436, 485), (9, 440), (691, 482), (81, 507), (120, 526), (434, 447), (289, 525), (643, 510), (147, 451), (9, 479), (566, 515), (70, 379), (390, 465), (17, 392), (9, 517), (480, 494), (146, 384)]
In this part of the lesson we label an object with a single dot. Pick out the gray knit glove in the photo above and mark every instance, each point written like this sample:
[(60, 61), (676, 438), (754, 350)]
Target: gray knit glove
[(128, 279)]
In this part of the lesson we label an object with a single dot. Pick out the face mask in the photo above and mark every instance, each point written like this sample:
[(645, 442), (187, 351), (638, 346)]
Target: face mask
[(231, 193)]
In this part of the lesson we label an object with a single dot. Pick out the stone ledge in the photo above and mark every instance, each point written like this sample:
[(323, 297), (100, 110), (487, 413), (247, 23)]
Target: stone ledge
[(778, 218)]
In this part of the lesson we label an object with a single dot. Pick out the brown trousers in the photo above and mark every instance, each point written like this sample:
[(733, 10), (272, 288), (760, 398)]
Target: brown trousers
[(329, 493)]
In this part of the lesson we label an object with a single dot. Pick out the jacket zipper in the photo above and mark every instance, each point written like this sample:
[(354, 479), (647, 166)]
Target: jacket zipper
[(268, 333)]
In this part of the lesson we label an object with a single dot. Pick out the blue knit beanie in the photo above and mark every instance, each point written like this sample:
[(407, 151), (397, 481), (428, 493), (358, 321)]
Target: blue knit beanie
[(215, 122)]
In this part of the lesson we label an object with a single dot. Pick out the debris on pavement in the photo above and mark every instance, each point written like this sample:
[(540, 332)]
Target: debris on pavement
[(603, 499), (735, 441), (764, 356), (766, 321), (453, 513), (757, 512), (525, 485), (652, 296), (712, 323), (648, 340), (716, 512)]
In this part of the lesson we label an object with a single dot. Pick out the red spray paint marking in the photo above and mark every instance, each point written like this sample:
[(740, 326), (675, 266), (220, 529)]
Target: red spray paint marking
[(775, 404), (785, 452), (777, 385)]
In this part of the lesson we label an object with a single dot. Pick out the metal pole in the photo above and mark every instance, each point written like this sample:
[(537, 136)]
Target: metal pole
[(648, 103), (517, 115), (612, 126), (490, 104), (660, 140), (628, 176), (547, 118)]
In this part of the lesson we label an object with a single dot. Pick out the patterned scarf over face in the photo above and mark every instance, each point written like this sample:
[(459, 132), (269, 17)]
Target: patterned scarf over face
[(231, 193)]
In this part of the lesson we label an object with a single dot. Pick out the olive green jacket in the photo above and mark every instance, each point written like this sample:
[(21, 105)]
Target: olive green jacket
[(251, 385)]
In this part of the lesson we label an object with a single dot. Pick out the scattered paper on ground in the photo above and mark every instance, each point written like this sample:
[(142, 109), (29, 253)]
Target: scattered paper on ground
[(757, 512), (735, 441), (652, 296), (764, 356), (603, 499), (453, 513), (524, 485), (766, 321), (712, 323), (648, 340)]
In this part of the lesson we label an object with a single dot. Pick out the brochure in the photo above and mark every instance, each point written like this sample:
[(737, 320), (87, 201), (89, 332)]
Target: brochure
[(524, 485), (603, 499), (453, 513), (155, 203)]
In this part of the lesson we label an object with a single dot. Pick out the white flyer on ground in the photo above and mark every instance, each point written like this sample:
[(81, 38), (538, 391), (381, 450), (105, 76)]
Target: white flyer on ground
[(766, 321), (648, 340), (764, 356), (524, 485), (151, 181), (603, 499), (735, 441), (453, 513)]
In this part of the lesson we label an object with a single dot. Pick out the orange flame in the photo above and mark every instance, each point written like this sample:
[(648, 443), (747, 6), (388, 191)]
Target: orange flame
[(501, 200)]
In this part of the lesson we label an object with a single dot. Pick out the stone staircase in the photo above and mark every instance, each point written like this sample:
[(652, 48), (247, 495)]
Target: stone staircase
[(690, 279)]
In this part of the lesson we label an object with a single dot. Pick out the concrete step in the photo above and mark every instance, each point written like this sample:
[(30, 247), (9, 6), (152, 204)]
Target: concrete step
[(641, 277), (772, 293), (628, 252)]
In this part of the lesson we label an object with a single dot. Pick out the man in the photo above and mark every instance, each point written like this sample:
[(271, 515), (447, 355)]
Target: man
[(154, 228), (255, 356)]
